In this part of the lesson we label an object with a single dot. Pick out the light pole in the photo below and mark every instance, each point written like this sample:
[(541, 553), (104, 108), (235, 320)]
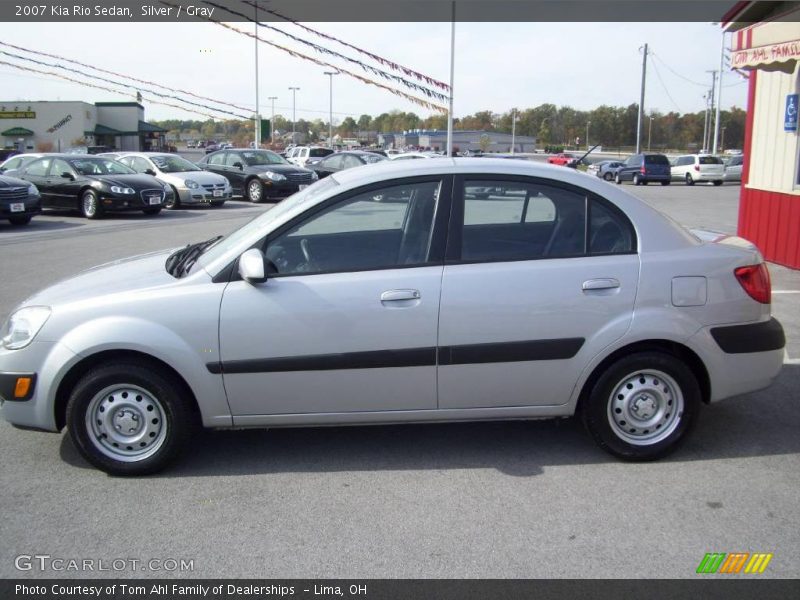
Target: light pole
[(513, 128), (722, 140), (587, 134), (330, 75), (272, 121), (294, 113), (257, 124), (649, 133)]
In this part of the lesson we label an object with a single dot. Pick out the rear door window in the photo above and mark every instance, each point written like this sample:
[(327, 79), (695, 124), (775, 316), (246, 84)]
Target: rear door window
[(656, 159), (709, 160)]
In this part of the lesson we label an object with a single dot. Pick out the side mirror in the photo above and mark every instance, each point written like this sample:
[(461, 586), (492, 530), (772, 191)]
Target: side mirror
[(252, 266), (69, 176), (149, 172), (238, 165)]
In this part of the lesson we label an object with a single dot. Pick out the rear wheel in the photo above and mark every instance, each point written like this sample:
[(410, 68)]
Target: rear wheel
[(129, 418), (689, 180), (90, 205), (718, 182), (20, 220), (665, 183), (608, 176), (642, 406), (636, 179), (617, 179)]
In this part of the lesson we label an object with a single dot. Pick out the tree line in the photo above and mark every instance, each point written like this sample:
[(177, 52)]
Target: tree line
[(611, 126)]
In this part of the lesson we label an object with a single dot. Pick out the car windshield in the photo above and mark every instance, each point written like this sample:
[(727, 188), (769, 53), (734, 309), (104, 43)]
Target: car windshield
[(709, 160), (372, 158), (261, 222), (99, 166), (263, 157), (168, 163)]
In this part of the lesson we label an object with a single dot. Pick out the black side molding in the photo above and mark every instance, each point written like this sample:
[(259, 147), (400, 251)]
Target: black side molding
[(473, 354), (753, 337)]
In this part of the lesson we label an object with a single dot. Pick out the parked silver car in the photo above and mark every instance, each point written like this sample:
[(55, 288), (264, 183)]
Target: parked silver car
[(398, 294), (733, 168), (190, 184)]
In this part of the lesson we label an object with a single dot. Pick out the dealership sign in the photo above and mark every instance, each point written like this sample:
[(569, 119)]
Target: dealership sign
[(763, 55), (60, 124), (17, 114)]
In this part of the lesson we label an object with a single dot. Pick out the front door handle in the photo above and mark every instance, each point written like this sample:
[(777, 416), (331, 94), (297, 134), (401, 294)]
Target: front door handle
[(400, 295), (600, 284)]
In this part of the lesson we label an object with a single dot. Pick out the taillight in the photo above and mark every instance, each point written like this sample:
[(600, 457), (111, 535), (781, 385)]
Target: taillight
[(642, 170), (697, 167), (755, 281)]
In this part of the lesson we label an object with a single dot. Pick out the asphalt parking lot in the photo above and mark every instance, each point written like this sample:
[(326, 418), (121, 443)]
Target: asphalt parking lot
[(521, 499)]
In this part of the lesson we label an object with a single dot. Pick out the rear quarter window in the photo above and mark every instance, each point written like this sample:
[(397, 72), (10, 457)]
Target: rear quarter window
[(656, 159), (709, 160)]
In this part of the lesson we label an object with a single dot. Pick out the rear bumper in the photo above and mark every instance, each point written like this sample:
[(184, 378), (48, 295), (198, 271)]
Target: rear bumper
[(740, 358)]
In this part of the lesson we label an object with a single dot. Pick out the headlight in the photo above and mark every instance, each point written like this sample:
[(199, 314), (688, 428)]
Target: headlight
[(122, 190), (314, 176), (23, 325), (274, 176), (192, 185), (33, 190)]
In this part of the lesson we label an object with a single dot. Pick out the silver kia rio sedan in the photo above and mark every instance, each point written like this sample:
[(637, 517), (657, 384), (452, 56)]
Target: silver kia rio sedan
[(396, 293)]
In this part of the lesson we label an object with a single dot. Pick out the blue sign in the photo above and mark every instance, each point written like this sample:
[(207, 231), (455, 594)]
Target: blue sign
[(790, 117)]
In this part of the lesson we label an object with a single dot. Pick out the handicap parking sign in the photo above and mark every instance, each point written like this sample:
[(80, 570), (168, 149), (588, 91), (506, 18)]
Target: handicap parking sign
[(790, 116)]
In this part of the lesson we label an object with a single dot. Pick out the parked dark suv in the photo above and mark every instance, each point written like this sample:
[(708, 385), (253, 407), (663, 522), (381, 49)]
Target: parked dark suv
[(644, 168)]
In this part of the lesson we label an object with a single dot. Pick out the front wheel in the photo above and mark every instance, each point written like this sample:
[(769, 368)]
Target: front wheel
[(718, 182), (608, 176), (617, 179), (255, 191), (175, 201), (128, 418), (642, 406), (90, 205), (20, 220), (152, 211)]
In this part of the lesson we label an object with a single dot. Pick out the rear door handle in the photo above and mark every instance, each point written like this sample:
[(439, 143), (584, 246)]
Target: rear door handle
[(400, 295), (600, 284)]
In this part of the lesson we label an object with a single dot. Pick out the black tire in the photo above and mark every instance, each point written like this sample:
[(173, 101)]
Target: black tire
[(175, 203), (689, 179), (718, 182), (636, 179), (617, 179), (20, 220), (137, 386), (254, 191), (89, 205), (152, 211), (609, 411), (608, 176), (665, 182)]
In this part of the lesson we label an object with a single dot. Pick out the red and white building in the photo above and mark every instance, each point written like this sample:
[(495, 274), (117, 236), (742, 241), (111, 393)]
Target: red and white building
[(765, 43)]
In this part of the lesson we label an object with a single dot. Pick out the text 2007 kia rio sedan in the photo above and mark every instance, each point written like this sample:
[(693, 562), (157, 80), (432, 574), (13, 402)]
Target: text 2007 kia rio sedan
[(401, 293)]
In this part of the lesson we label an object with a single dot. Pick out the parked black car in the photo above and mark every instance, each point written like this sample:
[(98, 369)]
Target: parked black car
[(643, 168), (19, 200), (94, 185), (345, 160), (258, 174)]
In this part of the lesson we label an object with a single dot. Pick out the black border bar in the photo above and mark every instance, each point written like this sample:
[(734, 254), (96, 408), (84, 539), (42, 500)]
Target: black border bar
[(366, 11)]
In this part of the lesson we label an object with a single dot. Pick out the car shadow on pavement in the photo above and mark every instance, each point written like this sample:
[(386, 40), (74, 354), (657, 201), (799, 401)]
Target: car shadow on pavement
[(760, 424), (37, 225)]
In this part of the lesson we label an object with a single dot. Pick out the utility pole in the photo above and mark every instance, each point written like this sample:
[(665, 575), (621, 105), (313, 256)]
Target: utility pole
[(641, 102), (257, 127), (719, 95), (513, 128), (587, 135), (294, 113), (707, 143), (272, 121), (452, 72), (649, 133), (705, 124), (330, 75)]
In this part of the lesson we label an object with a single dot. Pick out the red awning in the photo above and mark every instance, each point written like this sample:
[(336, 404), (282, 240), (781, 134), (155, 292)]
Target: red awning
[(770, 46)]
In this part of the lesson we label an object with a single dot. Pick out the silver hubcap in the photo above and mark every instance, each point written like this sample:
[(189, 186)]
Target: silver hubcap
[(645, 407), (126, 423), (254, 190), (89, 205)]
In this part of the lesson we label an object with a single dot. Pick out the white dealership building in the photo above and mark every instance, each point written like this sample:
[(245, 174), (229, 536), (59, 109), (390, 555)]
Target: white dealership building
[(44, 126)]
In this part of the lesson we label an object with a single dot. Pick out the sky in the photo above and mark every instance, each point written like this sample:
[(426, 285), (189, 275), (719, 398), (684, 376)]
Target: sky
[(498, 66)]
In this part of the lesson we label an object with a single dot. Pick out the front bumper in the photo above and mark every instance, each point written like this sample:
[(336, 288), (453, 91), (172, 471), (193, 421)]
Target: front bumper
[(284, 189), (32, 206), (203, 196), (138, 201)]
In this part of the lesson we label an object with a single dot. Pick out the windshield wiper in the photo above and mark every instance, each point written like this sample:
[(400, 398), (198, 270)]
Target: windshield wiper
[(180, 262)]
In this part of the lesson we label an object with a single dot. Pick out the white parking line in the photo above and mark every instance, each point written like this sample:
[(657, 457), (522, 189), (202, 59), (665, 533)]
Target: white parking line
[(790, 361), (786, 291)]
